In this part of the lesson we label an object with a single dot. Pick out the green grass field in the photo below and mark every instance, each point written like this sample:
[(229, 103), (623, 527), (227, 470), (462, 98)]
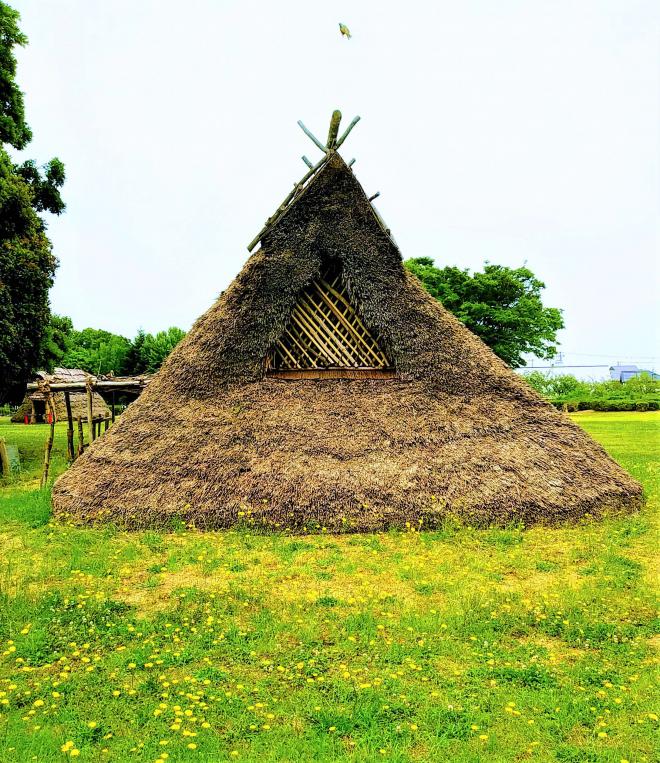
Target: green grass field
[(457, 645)]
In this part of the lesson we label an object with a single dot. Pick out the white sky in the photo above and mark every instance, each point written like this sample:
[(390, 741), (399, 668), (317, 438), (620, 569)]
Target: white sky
[(514, 131)]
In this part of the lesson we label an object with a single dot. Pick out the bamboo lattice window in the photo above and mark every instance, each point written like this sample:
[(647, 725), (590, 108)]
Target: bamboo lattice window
[(325, 336)]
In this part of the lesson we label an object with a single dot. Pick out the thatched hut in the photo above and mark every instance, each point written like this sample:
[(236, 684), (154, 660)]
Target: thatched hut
[(327, 389), (34, 403)]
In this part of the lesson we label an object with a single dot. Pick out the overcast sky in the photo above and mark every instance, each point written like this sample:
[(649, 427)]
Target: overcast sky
[(511, 131)]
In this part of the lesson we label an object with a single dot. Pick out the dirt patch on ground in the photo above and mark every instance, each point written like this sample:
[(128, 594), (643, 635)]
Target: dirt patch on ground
[(149, 594)]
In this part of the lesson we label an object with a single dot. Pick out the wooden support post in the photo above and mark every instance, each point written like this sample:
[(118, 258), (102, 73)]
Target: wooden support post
[(107, 424), (49, 442), (81, 436), (5, 466), (69, 431), (90, 414), (112, 406)]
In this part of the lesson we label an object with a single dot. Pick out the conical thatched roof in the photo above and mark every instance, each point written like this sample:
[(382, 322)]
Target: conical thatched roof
[(216, 441)]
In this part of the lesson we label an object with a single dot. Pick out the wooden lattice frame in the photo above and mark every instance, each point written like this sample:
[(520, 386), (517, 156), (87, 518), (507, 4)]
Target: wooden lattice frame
[(325, 336)]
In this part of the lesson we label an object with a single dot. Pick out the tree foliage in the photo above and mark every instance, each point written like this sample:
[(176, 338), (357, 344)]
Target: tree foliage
[(157, 347), (102, 352), (96, 351), (57, 341), (27, 263), (566, 387), (501, 305)]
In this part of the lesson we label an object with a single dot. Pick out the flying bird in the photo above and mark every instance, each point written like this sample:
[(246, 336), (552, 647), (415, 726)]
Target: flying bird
[(344, 30)]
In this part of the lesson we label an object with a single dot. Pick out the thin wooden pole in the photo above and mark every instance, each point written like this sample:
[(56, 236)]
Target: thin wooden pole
[(365, 345), (106, 422), (69, 431), (312, 137), (347, 131), (90, 414), (282, 208), (331, 340), (5, 466), (112, 406), (81, 436), (49, 441)]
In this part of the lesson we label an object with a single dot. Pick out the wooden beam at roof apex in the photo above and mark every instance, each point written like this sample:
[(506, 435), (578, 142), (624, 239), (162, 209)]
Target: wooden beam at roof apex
[(335, 121), (312, 137), (347, 131)]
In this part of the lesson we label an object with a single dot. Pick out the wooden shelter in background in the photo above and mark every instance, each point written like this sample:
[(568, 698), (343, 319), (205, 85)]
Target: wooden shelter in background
[(83, 400), (34, 403)]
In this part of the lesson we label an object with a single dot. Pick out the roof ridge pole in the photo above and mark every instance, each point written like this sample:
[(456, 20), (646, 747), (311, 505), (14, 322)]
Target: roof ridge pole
[(347, 131), (312, 137), (334, 129)]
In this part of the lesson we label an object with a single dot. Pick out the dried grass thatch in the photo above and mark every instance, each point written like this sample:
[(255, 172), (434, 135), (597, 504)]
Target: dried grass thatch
[(215, 442)]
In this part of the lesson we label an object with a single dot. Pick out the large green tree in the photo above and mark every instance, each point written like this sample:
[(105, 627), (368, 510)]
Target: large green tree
[(96, 351), (501, 305), (27, 263), (158, 346)]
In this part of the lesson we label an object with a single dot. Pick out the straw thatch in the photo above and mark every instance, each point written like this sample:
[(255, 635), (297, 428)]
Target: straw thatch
[(34, 403), (215, 441)]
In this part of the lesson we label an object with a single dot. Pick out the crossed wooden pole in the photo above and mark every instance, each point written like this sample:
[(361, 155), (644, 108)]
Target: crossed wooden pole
[(331, 145)]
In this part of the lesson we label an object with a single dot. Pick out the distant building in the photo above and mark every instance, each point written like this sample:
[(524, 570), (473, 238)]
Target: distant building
[(33, 406), (622, 373)]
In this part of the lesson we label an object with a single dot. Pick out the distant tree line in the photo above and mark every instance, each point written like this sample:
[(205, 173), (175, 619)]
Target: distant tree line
[(640, 393), (102, 352)]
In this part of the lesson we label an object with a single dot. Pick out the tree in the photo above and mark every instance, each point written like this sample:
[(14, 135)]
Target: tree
[(157, 348), (135, 362), (500, 305), (97, 351), (27, 263), (57, 341)]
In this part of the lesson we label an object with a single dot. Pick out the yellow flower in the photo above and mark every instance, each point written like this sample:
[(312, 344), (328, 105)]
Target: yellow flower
[(191, 746), (75, 752)]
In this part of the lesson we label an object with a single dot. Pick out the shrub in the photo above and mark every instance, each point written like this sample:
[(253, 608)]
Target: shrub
[(654, 405), (641, 406)]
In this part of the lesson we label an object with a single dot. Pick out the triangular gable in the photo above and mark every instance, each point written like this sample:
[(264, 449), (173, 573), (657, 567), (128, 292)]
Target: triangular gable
[(325, 333)]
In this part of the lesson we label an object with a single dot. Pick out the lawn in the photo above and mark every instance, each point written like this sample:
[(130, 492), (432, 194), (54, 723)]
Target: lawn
[(458, 645)]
